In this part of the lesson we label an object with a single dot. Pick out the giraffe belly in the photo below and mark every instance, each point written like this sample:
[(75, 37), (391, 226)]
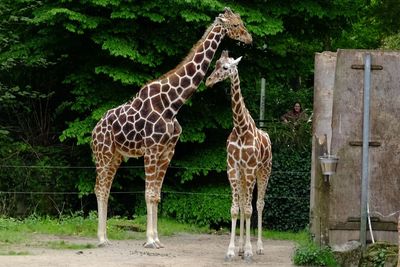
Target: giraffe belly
[(132, 153)]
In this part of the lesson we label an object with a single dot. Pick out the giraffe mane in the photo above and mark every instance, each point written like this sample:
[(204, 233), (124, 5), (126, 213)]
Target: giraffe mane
[(192, 51)]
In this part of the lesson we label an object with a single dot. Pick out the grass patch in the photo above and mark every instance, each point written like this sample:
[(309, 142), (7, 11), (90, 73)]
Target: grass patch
[(9, 233), (14, 253), (21, 231), (17, 231), (66, 245), (298, 237)]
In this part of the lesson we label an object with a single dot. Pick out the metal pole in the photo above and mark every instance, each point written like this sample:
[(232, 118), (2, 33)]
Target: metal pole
[(364, 178), (262, 102)]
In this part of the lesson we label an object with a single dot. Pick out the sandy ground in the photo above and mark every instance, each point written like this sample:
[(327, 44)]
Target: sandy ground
[(180, 250)]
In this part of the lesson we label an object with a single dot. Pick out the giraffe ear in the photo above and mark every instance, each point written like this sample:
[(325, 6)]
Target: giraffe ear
[(228, 11), (236, 61), (221, 19)]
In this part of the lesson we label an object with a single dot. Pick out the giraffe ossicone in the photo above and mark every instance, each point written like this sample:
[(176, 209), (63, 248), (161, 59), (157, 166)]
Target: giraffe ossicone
[(249, 159), (147, 125)]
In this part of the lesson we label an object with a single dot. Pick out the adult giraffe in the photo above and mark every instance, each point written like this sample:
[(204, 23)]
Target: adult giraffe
[(249, 159), (147, 125)]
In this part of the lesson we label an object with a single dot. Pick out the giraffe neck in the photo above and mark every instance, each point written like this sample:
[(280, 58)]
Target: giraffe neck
[(186, 77), (241, 116)]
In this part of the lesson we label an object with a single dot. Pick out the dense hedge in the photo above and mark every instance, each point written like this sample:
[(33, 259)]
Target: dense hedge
[(288, 193)]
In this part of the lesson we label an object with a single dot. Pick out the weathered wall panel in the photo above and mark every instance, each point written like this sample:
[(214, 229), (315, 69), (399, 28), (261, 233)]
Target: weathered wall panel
[(384, 157), (322, 133)]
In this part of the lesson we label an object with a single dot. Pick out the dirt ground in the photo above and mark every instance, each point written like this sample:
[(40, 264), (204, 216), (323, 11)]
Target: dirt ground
[(180, 250)]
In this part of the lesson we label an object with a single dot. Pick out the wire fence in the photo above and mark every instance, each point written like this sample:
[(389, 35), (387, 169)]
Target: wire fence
[(228, 195), (133, 167), (132, 192)]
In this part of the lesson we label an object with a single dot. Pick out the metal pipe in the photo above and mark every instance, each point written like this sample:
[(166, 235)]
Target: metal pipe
[(365, 154)]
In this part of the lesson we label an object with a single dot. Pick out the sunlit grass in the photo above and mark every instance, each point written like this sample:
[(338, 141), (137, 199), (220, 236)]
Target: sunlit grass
[(298, 237), (17, 231)]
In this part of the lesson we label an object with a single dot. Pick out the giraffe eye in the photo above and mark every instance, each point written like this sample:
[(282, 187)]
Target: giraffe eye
[(225, 67)]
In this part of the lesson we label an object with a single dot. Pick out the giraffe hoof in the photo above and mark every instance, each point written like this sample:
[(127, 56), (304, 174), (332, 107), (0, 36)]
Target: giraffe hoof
[(229, 257), (260, 251), (151, 245), (104, 243), (248, 257), (241, 253), (159, 244)]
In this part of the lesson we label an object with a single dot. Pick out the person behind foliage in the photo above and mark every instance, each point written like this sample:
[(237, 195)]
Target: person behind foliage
[(295, 115)]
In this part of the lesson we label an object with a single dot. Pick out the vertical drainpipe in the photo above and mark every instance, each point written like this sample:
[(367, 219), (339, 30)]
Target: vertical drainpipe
[(365, 154)]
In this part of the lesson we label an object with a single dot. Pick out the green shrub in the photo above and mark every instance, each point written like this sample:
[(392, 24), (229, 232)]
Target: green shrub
[(206, 206), (310, 255), (379, 254), (288, 192)]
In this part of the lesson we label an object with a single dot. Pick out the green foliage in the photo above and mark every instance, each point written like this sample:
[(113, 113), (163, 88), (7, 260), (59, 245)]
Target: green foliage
[(81, 130), (287, 198), (311, 255), (391, 42), (76, 22), (205, 206), (204, 161), (380, 258), (25, 169), (379, 254), (307, 253)]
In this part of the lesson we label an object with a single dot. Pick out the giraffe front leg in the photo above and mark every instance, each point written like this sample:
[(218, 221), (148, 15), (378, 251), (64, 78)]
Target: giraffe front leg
[(248, 210), (231, 248), (234, 183), (234, 216), (102, 223), (150, 164), (162, 166), (150, 242), (155, 227), (260, 208)]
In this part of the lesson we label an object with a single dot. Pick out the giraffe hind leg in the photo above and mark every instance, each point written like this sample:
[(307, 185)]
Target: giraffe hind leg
[(163, 164), (161, 168), (105, 176)]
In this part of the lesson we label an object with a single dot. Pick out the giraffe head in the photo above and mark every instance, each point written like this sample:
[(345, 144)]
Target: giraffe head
[(234, 26), (224, 67)]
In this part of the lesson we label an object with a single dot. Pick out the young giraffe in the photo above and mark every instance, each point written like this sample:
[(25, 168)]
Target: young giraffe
[(249, 159), (147, 125)]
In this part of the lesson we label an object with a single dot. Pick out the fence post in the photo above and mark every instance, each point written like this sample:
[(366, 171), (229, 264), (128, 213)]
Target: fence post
[(262, 102)]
